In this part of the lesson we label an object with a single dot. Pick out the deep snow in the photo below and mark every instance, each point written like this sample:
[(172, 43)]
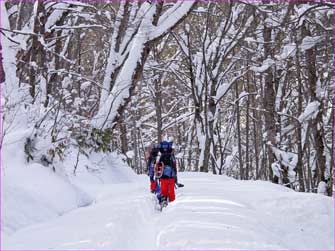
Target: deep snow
[(210, 212)]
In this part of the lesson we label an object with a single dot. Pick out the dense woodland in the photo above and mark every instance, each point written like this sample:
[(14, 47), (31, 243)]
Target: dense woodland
[(244, 88)]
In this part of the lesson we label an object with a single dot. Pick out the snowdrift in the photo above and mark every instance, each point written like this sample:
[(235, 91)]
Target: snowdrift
[(32, 193)]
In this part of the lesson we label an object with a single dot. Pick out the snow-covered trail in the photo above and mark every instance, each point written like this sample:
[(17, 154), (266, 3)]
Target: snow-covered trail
[(210, 212)]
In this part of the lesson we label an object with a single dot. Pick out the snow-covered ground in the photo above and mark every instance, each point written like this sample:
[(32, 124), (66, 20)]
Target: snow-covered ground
[(105, 205), (210, 212)]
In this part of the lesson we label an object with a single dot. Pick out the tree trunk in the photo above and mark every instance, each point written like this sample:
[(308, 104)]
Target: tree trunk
[(317, 122), (135, 145), (123, 136), (269, 101), (2, 72), (255, 127), (158, 106), (247, 124), (238, 125), (299, 167)]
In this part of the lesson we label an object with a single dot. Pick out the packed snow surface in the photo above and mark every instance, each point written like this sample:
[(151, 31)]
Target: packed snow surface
[(210, 212)]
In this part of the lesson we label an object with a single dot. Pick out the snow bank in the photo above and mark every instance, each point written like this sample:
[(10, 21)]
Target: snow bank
[(32, 193), (98, 171)]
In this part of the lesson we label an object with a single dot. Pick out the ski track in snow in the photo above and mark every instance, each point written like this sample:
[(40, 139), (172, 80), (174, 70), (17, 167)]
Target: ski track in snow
[(210, 212)]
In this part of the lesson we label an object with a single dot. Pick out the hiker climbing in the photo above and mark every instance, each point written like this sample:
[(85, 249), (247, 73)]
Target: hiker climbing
[(162, 167), (166, 165)]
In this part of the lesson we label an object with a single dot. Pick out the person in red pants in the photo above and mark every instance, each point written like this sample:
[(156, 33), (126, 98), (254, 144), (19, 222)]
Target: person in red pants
[(167, 186), (169, 171)]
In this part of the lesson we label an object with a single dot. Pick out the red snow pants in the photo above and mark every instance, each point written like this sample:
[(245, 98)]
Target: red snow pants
[(167, 188)]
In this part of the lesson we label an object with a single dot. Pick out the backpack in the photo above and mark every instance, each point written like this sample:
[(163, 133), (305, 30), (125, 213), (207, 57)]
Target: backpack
[(165, 147), (166, 157), (163, 171), (168, 172)]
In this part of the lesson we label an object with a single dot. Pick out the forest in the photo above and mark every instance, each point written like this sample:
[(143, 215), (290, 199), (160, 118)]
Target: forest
[(244, 88)]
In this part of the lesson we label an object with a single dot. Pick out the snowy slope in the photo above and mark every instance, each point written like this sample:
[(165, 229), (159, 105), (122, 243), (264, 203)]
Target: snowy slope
[(32, 193), (210, 212)]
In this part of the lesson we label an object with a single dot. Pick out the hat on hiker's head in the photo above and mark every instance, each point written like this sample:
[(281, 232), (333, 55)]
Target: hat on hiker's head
[(165, 146)]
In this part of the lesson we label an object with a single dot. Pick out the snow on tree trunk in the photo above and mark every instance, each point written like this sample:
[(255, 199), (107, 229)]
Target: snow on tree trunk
[(114, 55), (152, 27), (317, 121), (8, 55), (269, 97), (11, 95)]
